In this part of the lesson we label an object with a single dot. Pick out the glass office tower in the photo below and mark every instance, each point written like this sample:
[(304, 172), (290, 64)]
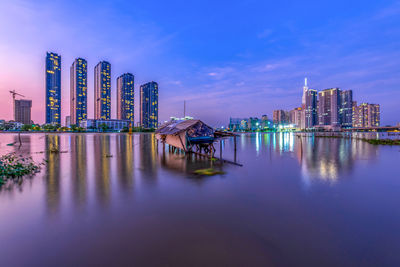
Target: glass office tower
[(102, 91), (125, 97), (149, 105), (346, 109), (310, 108), (329, 106), (78, 93), (53, 88)]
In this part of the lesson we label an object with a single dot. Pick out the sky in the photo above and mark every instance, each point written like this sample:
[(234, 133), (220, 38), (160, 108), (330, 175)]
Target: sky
[(225, 58)]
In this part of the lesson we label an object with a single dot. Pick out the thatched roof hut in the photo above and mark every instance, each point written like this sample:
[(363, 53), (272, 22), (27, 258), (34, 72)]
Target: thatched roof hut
[(185, 134)]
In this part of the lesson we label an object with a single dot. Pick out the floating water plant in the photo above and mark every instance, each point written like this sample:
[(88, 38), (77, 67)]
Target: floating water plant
[(208, 172), (382, 142), (15, 166)]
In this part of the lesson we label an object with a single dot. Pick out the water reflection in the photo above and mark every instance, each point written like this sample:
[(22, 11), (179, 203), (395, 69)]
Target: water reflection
[(22, 144), (78, 169), (184, 164), (125, 161), (154, 206), (328, 159), (102, 158), (324, 159), (148, 149), (52, 173)]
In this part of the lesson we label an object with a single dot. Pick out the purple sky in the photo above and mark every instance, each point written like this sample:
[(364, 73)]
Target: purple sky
[(225, 59)]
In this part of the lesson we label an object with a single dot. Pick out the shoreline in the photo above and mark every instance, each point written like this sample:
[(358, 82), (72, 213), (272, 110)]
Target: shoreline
[(39, 132)]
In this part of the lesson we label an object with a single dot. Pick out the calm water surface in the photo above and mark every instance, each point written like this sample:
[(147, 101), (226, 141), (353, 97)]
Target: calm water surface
[(118, 199)]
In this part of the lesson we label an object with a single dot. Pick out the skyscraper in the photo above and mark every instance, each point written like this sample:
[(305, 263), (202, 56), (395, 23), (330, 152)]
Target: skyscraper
[(374, 115), (346, 108), (296, 117), (125, 97), (78, 93), (102, 91), (366, 115), (310, 108), (149, 105), (305, 89), (280, 117), (328, 107), (23, 111), (53, 88)]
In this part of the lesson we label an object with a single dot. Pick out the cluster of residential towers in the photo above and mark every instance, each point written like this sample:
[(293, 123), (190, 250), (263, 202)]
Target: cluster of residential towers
[(102, 94), (329, 108)]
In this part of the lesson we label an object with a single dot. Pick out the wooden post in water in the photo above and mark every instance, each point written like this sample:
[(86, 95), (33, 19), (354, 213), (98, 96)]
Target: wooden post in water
[(19, 138), (234, 142), (220, 151)]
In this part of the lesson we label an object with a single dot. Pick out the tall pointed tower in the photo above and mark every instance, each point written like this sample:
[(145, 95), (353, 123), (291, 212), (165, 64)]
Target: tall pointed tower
[(305, 89)]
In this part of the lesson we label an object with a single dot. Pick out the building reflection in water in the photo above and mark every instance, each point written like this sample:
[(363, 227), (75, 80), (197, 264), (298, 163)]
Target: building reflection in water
[(102, 158), (78, 169), (321, 158), (184, 164), (330, 158), (125, 161), (52, 174), (25, 146), (148, 154)]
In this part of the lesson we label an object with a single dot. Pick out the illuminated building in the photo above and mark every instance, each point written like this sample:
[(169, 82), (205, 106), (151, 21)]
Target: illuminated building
[(265, 122), (310, 109), (22, 111), (102, 91), (53, 88), (78, 93), (328, 107), (280, 117), (305, 89), (235, 124), (254, 124), (112, 125), (149, 105), (296, 117), (125, 97), (374, 115), (366, 115), (346, 108)]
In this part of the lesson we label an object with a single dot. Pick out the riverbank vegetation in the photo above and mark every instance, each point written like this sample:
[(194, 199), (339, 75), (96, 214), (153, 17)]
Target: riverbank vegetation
[(13, 166), (71, 129), (208, 172), (390, 142)]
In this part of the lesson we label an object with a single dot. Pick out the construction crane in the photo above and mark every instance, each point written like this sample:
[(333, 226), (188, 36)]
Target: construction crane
[(13, 96)]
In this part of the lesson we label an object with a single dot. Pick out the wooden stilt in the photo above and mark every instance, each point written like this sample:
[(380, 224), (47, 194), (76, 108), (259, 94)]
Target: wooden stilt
[(234, 144), (220, 150)]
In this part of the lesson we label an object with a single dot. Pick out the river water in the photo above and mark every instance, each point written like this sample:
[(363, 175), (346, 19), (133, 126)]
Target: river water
[(118, 199)]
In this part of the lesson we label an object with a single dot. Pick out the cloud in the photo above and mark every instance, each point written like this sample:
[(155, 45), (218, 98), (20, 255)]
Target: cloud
[(265, 33), (390, 11)]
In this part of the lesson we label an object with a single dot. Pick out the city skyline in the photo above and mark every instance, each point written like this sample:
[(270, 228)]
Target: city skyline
[(331, 107), (249, 76)]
